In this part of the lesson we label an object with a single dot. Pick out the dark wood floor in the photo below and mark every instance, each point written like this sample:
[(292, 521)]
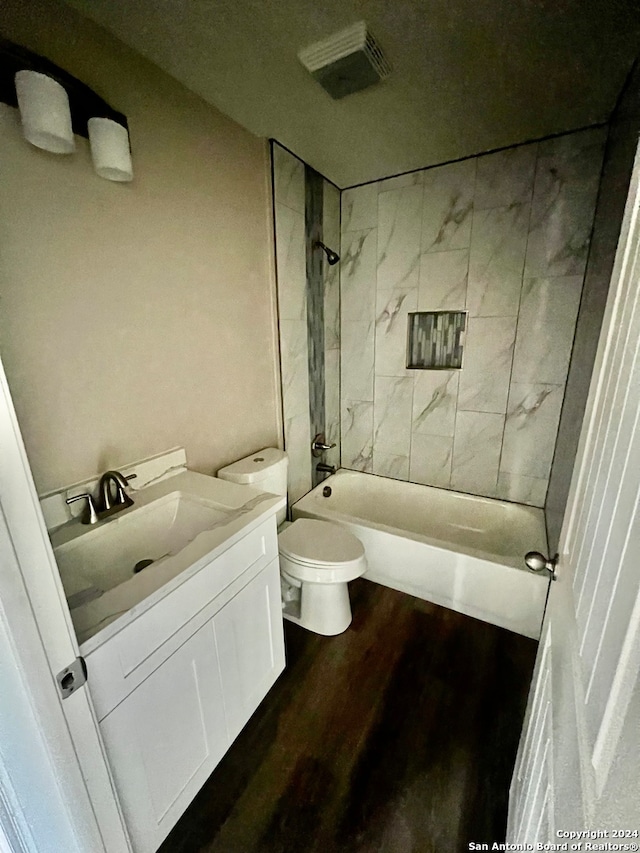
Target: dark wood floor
[(398, 736)]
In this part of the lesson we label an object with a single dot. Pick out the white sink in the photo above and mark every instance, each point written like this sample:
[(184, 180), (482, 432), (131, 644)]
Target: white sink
[(175, 527), (109, 554)]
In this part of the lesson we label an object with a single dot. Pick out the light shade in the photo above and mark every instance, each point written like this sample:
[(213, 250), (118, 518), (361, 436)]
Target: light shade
[(110, 149), (45, 113)]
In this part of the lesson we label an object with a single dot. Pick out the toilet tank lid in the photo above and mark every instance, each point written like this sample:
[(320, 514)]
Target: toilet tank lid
[(254, 468)]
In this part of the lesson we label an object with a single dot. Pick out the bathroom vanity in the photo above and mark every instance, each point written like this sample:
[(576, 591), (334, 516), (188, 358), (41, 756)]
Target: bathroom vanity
[(180, 653)]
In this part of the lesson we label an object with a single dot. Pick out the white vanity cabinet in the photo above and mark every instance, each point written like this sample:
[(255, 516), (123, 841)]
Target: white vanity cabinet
[(175, 687)]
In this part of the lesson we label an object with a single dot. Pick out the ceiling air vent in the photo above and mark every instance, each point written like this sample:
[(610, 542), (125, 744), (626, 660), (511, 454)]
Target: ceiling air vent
[(347, 61)]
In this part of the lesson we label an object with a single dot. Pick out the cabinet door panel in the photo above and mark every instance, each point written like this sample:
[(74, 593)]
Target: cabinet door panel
[(165, 739), (249, 636)]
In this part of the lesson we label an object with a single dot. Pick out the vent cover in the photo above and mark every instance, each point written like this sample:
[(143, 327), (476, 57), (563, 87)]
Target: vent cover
[(347, 61)]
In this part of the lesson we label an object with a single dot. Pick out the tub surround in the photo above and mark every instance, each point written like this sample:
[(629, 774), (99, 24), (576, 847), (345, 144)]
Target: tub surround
[(459, 551), (307, 207), (505, 237)]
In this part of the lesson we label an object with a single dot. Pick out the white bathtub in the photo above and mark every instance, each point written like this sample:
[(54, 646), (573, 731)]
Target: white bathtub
[(456, 550)]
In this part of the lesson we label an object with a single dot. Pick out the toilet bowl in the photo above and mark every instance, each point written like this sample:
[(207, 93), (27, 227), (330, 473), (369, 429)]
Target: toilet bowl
[(317, 558)]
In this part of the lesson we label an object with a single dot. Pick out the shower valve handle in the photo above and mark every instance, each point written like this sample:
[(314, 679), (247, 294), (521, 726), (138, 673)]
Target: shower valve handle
[(319, 445)]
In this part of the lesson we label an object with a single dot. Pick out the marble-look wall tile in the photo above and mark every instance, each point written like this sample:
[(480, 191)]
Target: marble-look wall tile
[(443, 280), (360, 208), (476, 453), (331, 215), (295, 372), (486, 364), (565, 190), (435, 395), (392, 312), (290, 258), (448, 205), (331, 307), (409, 179), (502, 236), (393, 403), (297, 442), (289, 207), (546, 326), (498, 246), (522, 490), (505, 177), (332, 405), (333, 436), (358, 276), (357, 435), (331, 274), (331, 281), (430, 462), (332, 381), (530, 431), (399, 226), (388, 465), (288, 178), (357, 360)]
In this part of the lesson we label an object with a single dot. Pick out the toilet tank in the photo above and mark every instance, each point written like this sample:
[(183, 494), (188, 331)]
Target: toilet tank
[(265, 470)]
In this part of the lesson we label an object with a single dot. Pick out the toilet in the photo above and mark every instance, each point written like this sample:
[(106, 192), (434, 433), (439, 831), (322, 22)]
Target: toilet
[(317, 558)]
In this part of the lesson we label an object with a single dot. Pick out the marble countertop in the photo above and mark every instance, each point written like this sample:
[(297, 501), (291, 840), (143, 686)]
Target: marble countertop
[(245, 508)]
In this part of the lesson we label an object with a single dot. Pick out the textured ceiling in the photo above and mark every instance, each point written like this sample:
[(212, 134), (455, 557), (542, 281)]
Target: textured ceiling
[(469, 75)]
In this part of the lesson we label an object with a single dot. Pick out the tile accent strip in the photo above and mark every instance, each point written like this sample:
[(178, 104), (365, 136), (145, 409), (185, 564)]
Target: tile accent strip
[(435, 340), (315, 305)]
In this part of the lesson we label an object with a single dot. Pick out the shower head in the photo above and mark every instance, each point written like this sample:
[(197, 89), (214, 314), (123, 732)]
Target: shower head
[(332, 257)]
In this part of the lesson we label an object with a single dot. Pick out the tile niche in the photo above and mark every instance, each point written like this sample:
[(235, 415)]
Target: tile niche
[(503, 237)]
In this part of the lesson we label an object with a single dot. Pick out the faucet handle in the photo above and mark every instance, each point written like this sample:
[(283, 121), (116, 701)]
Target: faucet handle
[(122, 498), (318, 445), (89, 516)]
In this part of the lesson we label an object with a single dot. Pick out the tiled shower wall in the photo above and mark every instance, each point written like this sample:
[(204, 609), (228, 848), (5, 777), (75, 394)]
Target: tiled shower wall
[(503, 236), (291, 242)]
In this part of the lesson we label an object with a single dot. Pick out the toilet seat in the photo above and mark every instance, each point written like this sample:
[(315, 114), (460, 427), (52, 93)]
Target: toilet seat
[(320, 552)]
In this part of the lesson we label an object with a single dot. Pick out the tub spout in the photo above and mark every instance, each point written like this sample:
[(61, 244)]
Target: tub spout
[(323, 468)]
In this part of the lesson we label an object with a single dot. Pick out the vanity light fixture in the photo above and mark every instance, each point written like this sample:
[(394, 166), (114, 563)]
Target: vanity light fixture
[(110, 149), (45, 113)]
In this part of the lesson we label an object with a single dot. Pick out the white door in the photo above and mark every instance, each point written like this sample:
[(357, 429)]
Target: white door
[(578, 766), (69, 777)]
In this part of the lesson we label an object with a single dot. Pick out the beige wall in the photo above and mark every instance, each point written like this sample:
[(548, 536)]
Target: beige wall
[(134, 318)]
